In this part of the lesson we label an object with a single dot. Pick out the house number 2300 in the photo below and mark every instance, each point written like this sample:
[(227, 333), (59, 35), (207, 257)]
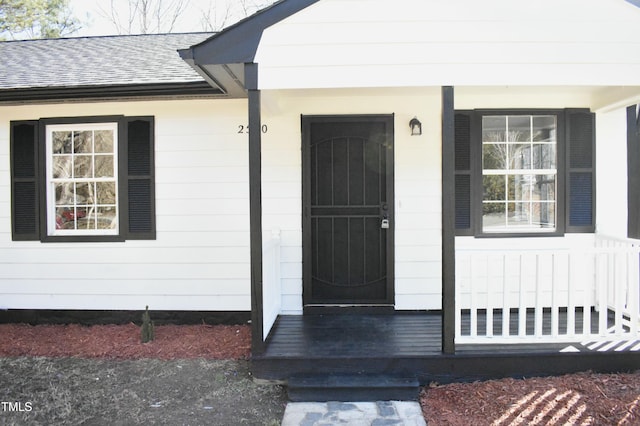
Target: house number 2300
[(245, 129)]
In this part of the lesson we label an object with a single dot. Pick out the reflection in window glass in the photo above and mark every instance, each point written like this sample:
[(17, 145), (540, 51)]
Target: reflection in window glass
[(519, 163), (82, 179)]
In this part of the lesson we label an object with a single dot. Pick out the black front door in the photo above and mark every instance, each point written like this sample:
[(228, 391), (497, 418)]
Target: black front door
[(347, 210)]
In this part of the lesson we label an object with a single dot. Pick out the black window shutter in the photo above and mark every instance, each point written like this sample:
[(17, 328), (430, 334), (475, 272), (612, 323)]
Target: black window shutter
[(463, 169), (139, 179), (580, 171), (633, 172), (24, 181)]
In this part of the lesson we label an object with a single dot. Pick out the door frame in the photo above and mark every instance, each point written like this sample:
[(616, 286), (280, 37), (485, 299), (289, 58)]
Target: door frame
[(306, 121)]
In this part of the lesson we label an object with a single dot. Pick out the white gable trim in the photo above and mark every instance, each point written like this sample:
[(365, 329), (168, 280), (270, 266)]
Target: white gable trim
[(376, 43)]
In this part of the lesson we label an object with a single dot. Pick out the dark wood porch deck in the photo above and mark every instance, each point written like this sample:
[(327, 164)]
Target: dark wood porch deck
[(410, 344)]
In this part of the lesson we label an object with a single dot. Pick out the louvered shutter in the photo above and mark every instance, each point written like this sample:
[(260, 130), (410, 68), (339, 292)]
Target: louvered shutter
[(24, 181), (463, 173), (580, 171), (633, 172), (140, 178)]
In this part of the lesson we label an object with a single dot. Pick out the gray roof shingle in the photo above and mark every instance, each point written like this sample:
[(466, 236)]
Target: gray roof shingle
[(129, 60)]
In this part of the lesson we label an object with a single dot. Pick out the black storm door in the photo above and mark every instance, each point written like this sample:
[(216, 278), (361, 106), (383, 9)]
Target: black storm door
[(348, 210)]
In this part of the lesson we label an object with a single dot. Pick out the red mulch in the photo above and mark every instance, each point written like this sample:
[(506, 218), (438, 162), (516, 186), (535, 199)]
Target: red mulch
[(123, 341), (576, 399)]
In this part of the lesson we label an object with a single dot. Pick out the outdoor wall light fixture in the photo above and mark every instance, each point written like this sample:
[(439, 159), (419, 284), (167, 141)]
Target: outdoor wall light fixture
[(416, 126)]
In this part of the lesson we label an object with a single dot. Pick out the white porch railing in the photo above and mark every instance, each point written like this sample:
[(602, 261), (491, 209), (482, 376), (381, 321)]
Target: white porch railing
[(271, 287), (535, 296)]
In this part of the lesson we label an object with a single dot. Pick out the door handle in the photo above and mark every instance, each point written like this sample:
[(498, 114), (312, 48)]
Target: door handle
[(384, 224)]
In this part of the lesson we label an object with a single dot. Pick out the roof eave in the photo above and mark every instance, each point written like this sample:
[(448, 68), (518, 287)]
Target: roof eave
[(238, 42), (62, 93)]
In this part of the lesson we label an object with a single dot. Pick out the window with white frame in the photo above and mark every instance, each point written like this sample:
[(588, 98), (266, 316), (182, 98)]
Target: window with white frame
[(519, 173), (82, 179)]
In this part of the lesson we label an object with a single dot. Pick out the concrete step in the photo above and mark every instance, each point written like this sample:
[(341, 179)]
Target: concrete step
[(348, 388)]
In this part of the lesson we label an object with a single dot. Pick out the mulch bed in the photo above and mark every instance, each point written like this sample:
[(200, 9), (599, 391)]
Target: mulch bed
[(123, 341), (576, 399)]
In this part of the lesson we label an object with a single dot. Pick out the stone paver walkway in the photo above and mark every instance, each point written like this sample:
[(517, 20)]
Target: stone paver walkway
[(382, 413)]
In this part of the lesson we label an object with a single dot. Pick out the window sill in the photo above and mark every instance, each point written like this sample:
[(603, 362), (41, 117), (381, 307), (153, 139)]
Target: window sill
[(83, 239)]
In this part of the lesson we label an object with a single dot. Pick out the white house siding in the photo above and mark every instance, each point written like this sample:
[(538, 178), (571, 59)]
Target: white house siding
[(611, 183), (374, 43), (417, 184), (200, 259)]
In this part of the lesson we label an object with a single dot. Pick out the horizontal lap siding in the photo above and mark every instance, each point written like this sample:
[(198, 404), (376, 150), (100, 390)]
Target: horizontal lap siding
[(109, 301), (200, 259), (282, 200), (611, 179), (418, 222), (418, 212), (369, 43)]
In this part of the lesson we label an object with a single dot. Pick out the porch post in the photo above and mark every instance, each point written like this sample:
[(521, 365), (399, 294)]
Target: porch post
[(255, 206), (633, 171), (448, 221)]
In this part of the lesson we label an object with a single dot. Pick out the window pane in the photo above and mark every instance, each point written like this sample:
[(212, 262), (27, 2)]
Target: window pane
[(494, 128), (519, 128), (521, 187), (85, 217), (64, 193), (103, 141), (519, 215), (494, 215), (61, 165), (83, 167), (106, 217), (65, 218), (519, 156), (544, 156), (494, 156), (544, 128), (61, 143), (82, 142), (84, 193), (105, 193), (494, 187), (512, 188), (104, 166), (545, 188)]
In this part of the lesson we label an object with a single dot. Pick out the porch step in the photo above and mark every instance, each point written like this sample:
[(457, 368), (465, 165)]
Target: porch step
[(350, 388)]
